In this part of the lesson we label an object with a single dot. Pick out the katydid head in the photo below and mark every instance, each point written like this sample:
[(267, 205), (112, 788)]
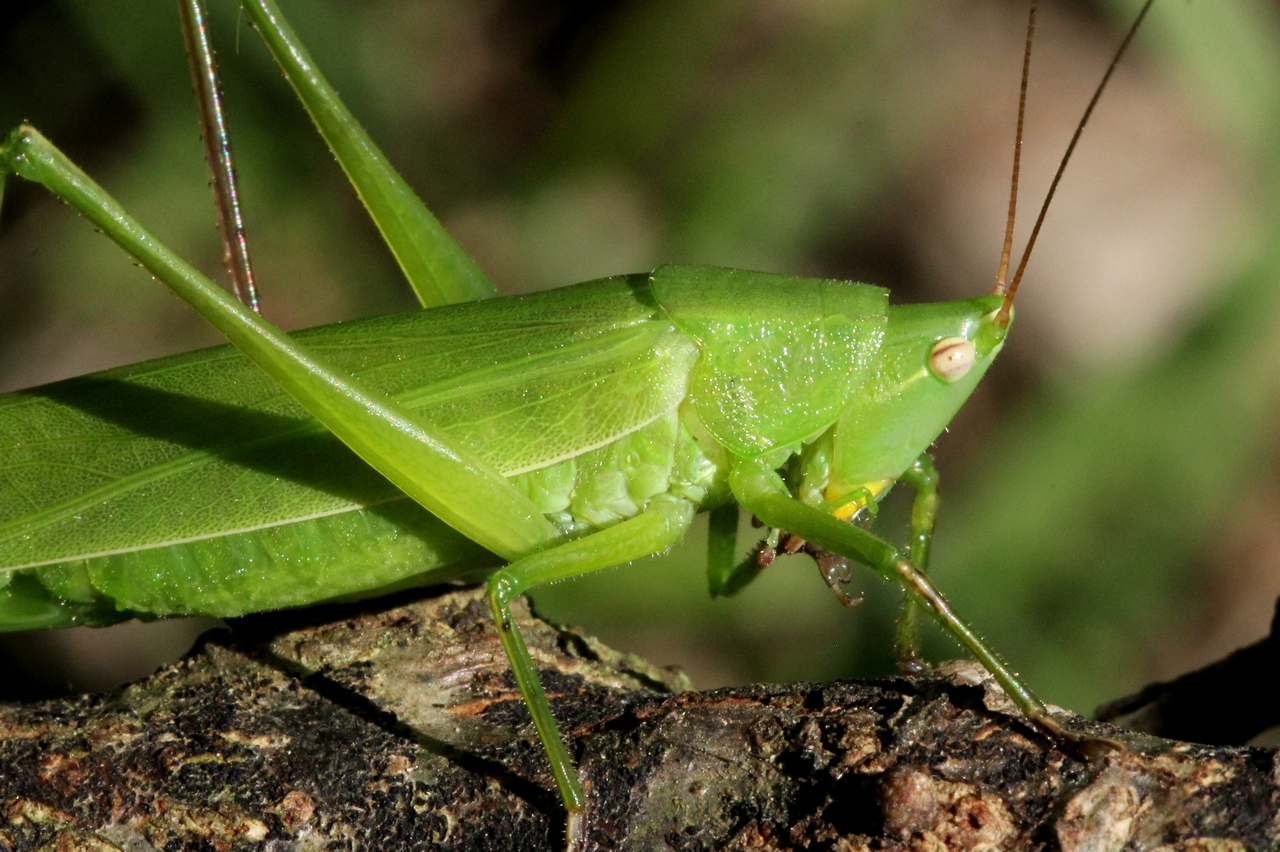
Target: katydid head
[(931, 360), (934, 354)]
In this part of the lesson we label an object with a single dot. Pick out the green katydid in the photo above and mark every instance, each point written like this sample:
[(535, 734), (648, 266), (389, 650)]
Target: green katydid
[(561, 432)]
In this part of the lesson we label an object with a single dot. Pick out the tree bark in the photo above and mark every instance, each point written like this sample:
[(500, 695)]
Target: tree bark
[(400, 728)]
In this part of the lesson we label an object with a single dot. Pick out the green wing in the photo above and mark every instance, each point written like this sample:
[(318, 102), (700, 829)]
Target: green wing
[(202, 457)]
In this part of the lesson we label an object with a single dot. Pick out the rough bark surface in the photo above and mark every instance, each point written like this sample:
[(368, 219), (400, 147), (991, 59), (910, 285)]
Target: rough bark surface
[(401, 729)]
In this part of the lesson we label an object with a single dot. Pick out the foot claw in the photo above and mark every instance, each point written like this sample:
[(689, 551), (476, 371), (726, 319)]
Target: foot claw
[(1085, 746)]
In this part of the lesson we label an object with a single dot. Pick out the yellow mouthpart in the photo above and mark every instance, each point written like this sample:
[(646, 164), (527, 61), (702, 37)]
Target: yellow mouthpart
[(861, 496)]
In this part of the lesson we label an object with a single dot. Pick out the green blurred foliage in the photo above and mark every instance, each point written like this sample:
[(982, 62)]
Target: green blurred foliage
[(1107, 492)]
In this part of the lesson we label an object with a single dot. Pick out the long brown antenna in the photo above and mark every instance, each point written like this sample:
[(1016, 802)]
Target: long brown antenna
[(1001, 275), (1002, 318), (217, 142)]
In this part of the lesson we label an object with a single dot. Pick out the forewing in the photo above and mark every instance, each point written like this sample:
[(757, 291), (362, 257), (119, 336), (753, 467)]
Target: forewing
[(202, 444)]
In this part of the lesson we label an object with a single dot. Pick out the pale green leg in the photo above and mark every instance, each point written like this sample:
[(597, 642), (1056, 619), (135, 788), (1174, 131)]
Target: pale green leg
[(923, 477), (438, 269), (726, 578), (763, 493), (661, 526), (725, 575)]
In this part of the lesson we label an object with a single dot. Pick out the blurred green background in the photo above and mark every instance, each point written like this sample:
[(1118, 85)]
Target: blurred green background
[(1111, 504)]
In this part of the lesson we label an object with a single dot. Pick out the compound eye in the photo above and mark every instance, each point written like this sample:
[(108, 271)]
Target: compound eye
[(951, 358)]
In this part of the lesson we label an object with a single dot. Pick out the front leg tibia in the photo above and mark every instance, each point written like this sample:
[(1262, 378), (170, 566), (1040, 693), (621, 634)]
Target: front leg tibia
[(763, 493)]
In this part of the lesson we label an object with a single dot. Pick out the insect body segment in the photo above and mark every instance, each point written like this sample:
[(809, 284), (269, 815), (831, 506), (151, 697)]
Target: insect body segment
[(873, 443), (781, 356)]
